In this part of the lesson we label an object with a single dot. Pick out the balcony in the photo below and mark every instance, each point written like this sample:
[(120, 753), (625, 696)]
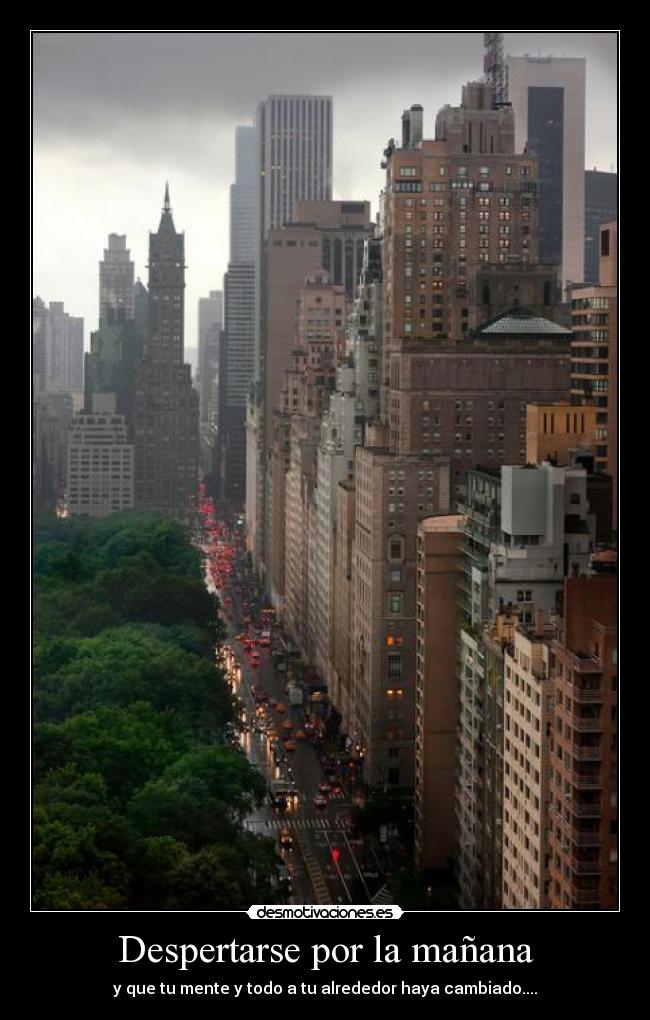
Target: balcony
[(580, 867), (587, 810), (588, 725), (584, 663), (583, 695), (587, 753), (586, 838), (588, 782)]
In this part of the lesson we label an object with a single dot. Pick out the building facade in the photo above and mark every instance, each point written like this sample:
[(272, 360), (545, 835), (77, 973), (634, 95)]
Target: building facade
[(329, 235), (57, 348), (393, 493), (116, 274), (601, 206), (548, 101), (594, 353), (436, 693), (583, 762), (166, 433), (100, 460)]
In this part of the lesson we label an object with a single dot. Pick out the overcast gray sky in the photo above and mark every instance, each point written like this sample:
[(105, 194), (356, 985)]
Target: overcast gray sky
[(118, 114)]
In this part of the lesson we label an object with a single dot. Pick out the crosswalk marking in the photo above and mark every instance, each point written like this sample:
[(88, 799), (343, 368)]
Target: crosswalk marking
[(314, 824), (301, 823)]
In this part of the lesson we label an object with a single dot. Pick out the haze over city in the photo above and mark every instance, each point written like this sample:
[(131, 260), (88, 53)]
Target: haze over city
[(111, 125)]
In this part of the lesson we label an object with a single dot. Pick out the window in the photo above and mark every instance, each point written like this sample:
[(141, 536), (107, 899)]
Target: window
[(394, 667), (407, 171), (395, 603)]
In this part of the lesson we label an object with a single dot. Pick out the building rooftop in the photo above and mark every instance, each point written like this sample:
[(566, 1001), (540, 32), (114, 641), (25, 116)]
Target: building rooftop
[(519, 321)]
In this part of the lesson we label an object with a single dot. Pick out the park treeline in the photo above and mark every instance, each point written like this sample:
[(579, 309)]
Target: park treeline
[(138, 804)]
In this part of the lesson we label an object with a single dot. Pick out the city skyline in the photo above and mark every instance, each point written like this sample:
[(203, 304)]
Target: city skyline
[(105, 141)]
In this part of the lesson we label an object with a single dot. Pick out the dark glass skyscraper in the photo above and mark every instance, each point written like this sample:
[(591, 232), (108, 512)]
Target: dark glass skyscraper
[(601, 206)]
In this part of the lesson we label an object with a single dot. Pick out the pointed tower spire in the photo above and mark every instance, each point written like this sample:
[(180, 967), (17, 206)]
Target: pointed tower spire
[(166, 206)]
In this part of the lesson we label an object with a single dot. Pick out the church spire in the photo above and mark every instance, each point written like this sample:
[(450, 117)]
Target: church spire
[(166, 206)]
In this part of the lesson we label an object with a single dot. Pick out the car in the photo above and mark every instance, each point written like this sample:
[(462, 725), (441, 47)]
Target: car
[(290, 746), (284, 876), (285, 839), (336, 786), (320, 800), (324, 787)]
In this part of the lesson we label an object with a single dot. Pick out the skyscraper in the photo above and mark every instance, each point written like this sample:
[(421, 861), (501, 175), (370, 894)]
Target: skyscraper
[(601, 206), (295, 153), (244, 197), (294, 160), (116, 281), (57, 348), (210, 323), (116, 346), (166, 404), (548, 100), (237, 364)]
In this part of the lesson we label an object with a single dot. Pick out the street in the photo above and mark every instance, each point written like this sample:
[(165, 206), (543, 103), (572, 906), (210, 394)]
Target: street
[(324, 864)]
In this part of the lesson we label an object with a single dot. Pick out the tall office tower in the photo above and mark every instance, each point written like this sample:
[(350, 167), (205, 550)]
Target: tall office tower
[(244, 197), (594, 353), (436, 690), (525, 528), (57, 348), (100, 460), (116, 346), (210, 321), (327, 234), (601, 206), (295, 153), (583, 764), (236, 377), (238, 355), (294, 147), (166, 405), (116, 272), (548, 101)]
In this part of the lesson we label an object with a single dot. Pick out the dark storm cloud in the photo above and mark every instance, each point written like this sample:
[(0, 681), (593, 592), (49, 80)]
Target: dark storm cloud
[(151, 73), (83, 81)]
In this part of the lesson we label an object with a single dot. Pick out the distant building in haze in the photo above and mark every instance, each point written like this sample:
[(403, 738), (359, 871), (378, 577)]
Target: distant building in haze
[(100, 460), (601, 206), (548, 101)]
